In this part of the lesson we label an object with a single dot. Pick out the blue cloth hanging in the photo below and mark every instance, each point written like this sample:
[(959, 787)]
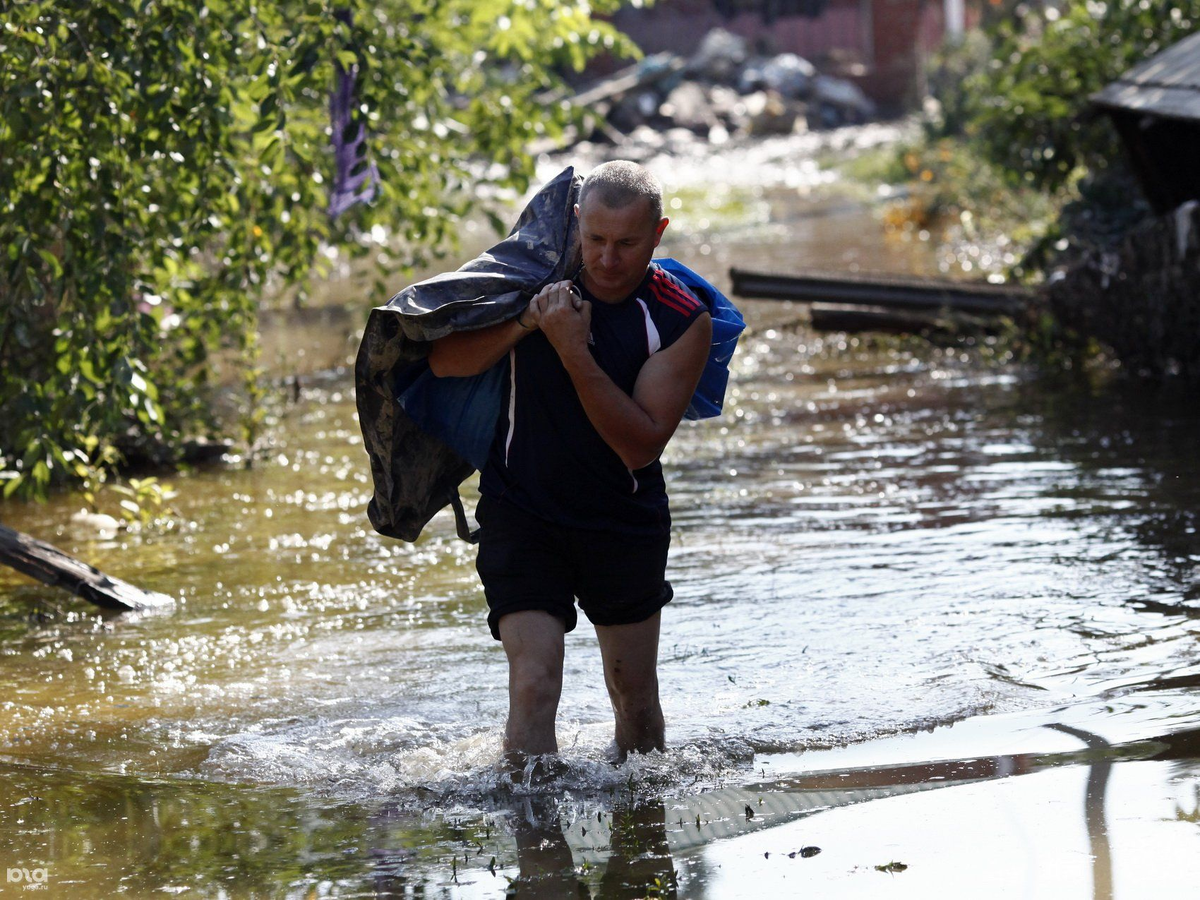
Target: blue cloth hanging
[(727, 324)]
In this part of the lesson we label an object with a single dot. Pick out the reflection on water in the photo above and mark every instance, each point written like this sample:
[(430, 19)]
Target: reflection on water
[(111, 833), (875, 540), (1094, 812)]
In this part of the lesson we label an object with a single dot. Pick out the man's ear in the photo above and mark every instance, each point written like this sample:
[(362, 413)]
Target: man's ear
[(660, 228), (577, 210)]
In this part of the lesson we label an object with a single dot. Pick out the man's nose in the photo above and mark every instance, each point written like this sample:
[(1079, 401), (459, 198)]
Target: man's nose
[(608, 256)]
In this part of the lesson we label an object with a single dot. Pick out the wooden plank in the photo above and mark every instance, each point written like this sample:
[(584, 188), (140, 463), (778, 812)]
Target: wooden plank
[(51, 566), (887, 291), (839, 317)]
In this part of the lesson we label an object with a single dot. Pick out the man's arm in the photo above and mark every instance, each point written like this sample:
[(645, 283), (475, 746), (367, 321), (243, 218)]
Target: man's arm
[(472, 352), (638, 427)]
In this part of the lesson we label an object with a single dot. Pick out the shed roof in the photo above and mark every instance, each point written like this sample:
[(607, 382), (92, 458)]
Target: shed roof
[(1167, 84)]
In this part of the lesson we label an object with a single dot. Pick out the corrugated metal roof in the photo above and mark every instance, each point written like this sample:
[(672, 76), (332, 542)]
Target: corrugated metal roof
[(1167, 84)]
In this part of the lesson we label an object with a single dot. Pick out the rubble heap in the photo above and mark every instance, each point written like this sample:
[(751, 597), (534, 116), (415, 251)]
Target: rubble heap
[(722, 91)]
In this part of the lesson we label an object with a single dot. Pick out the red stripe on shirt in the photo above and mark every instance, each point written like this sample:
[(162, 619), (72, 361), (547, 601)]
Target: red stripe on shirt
[(668, 301), (664, 290), (665, 285)]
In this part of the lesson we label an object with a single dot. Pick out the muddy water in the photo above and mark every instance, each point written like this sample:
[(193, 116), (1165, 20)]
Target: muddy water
[(912, 586)]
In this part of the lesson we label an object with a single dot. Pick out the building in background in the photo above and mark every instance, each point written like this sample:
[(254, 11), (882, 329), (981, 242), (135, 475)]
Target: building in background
[(880, 45)]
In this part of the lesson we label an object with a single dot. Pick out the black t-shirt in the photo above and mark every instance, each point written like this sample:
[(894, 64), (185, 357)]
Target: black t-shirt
[(546, 457)]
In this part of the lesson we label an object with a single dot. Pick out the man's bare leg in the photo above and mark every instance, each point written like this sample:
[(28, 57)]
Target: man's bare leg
[(630, 654), (533, 642)]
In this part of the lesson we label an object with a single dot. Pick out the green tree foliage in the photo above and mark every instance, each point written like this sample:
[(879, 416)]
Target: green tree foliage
[(163, 163), (1027, 108)]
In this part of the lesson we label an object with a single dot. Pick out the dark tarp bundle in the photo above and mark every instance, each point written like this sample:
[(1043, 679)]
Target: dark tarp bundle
[(424, 435), (402, 407)]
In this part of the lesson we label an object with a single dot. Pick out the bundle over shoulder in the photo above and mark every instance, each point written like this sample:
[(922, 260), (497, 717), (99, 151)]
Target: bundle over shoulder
[(423, 434)]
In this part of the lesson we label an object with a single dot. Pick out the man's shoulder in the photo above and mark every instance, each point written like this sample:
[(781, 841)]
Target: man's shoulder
[(670, 295)]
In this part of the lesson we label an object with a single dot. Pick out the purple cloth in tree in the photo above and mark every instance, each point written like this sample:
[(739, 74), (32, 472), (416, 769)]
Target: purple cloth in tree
[(355, 177)]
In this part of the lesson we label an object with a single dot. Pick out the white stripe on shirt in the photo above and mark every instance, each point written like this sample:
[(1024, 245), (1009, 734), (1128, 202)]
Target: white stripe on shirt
[(653, 341), (512, 401)]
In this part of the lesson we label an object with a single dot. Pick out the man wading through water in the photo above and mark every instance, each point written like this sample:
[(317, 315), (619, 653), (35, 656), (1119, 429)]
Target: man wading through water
[(573, 502)]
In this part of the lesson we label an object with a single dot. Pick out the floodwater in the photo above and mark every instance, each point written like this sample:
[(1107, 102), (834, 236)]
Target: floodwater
[(935, 633)]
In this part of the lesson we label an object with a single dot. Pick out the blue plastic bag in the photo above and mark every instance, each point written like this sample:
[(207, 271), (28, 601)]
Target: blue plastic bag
[(728, 326), (462, 412)]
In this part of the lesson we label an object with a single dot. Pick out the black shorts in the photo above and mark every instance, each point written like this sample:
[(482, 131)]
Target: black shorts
[(528, 563)]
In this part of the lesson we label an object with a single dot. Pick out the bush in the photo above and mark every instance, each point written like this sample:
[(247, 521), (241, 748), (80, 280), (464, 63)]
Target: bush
[(1027, 110), (163, 163)]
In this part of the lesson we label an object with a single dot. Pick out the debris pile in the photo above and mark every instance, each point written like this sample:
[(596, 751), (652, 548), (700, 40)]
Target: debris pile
[(722, 91), (1142, 298)]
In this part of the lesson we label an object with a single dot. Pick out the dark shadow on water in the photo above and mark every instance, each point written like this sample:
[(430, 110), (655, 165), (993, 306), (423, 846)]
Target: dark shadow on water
[(1093, 805)]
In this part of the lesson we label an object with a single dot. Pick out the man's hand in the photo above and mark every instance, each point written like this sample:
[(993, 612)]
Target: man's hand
[(471, 352), (530, 318), (564, 317)]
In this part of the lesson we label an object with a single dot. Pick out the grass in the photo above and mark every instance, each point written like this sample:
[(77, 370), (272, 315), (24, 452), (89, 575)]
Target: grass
[(966, 204), (706, 207)]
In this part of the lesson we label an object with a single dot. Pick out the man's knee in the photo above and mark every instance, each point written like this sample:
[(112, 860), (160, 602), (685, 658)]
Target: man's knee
[(535, 682), (533, 643)]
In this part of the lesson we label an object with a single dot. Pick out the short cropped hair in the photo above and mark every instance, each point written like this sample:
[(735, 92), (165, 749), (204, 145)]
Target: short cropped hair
[(621, 182)]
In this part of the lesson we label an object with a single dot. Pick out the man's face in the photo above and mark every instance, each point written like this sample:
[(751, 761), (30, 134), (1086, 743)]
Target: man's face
[(617, 245)]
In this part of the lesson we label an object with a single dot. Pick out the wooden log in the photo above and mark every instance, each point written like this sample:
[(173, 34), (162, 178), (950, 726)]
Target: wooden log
[(48, 564), (840, 317), (880, 290)]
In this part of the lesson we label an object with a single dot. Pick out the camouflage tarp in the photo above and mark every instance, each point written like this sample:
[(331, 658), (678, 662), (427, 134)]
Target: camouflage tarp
[(425, 435)]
